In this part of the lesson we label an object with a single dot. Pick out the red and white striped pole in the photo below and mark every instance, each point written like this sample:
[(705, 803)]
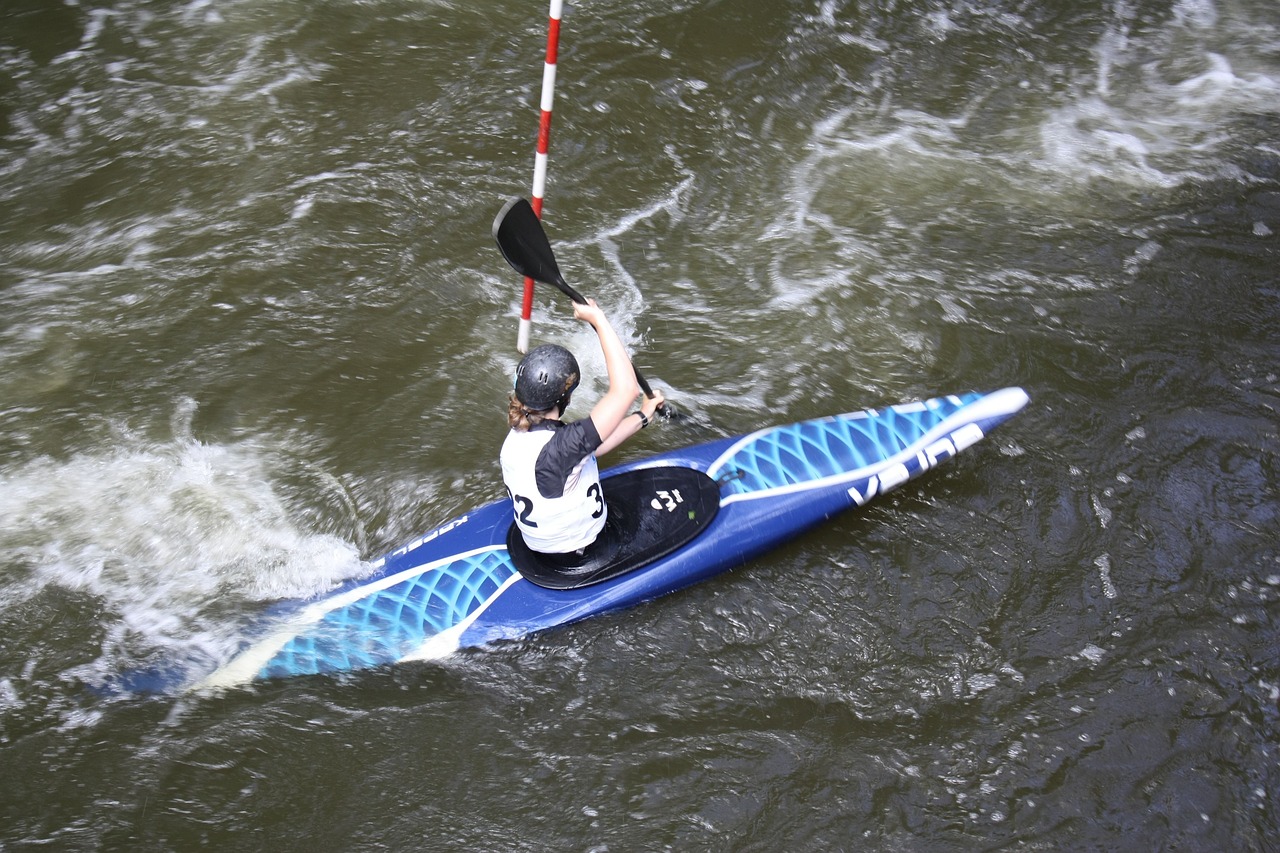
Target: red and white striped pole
[(540, 159)]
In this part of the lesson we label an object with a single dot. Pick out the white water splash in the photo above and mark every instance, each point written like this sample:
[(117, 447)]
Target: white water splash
[(1094, 655), (1103, 563), (1161, 103), (1154, 110), (1103, 513), (168, 537)]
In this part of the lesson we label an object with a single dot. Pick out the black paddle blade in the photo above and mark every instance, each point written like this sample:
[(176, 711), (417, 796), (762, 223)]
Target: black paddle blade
[(525, 245)]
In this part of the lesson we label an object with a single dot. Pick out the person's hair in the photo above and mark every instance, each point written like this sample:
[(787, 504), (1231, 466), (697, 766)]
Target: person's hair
[(522, 418)]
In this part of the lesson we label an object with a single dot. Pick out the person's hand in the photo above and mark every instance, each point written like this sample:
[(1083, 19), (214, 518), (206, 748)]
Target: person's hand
[(589, 313), (650, 405)]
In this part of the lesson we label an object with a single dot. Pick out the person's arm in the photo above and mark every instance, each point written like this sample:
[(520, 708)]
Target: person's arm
[(632, 423), (611, 409)]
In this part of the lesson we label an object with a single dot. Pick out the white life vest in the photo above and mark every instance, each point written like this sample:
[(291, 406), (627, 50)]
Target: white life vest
[(554, 483)]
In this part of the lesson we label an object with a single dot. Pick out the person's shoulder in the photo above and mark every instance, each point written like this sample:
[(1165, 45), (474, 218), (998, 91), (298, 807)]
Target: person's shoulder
[(582, 430)]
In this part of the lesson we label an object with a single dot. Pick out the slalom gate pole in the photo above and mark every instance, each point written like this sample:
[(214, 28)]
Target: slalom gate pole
[(540, 158)]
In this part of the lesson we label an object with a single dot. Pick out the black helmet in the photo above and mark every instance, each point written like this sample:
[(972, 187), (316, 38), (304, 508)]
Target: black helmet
[(545, 376)]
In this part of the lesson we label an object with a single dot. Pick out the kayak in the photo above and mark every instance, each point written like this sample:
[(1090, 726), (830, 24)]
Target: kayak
[(681, 517)]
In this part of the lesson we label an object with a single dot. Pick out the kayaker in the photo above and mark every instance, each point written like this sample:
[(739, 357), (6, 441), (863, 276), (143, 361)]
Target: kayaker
[(549, 465)]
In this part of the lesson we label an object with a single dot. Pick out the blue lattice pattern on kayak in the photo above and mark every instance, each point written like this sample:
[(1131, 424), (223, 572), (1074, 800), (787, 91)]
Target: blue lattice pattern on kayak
[(389, 623), (813, 450)]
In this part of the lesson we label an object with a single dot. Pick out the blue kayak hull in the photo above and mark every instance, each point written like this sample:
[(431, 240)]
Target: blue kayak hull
[(456, 587)]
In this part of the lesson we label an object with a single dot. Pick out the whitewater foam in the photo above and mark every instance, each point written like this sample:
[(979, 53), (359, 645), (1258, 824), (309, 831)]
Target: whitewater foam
[(177, 541)]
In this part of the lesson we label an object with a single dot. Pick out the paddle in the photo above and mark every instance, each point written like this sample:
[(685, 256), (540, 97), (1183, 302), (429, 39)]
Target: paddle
[(524, 244)]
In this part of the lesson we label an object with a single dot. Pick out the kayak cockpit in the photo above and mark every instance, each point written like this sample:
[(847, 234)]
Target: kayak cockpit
[(652, 512)]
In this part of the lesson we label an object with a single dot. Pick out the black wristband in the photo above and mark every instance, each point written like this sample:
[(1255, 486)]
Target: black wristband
[(644, 419)]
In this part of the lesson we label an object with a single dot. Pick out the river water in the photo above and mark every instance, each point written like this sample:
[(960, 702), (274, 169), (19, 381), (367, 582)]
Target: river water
[(255, 333)]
